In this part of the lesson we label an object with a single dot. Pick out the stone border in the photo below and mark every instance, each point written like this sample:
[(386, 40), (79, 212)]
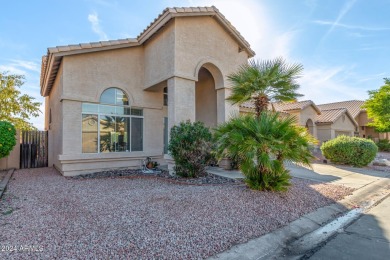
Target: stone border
[(169, 180), (278, 243), (4, 182)]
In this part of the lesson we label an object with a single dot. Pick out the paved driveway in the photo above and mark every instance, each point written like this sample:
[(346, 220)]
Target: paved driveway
[(325, 173)]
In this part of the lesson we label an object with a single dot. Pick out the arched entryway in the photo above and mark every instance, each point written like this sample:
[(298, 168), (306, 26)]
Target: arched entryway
[(206, 98), (310, 126)]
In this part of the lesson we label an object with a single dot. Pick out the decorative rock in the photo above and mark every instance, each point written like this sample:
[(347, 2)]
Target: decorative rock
[(143, 217), (381, 162)]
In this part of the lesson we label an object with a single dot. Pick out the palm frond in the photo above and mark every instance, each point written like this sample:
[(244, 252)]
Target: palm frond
[(275, 79)]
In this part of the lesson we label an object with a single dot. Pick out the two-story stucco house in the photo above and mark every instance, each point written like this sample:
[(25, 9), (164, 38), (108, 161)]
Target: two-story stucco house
[(110, 104)]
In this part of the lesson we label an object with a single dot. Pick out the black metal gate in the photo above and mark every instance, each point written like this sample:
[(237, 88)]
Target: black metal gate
[(33, 149)]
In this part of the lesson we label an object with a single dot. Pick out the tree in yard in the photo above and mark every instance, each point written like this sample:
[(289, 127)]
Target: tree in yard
[(7, 138), (16, 107), (378, 107), (262, 144), (265, 81)]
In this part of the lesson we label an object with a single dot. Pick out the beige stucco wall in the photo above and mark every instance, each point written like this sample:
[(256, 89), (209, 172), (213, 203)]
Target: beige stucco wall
[(326, 132), (86, 76), (306, 114), (55, 127), (297, 116), (344, 124), (173, 57), (362, 118), (309, 113), (367, 131), (202, 39), (159, 58), (206, 99), (13, 159)]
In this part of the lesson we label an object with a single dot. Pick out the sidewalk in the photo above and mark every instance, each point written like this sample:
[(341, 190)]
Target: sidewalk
[(351, 177), (302, 235)]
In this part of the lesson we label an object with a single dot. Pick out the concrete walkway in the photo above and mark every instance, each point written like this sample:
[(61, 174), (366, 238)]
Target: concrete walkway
[(348, 176), (367, 238)]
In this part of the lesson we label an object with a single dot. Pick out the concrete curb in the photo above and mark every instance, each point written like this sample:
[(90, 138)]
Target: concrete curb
[(4, 182), (274, 244)]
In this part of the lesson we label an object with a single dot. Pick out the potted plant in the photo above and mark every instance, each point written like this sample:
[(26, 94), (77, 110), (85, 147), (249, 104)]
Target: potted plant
[(149, 163)]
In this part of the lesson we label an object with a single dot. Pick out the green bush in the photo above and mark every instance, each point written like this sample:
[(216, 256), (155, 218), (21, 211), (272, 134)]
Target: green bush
[(190, 146), (7, 138), (350, 150), (261, 145), (383, 145)]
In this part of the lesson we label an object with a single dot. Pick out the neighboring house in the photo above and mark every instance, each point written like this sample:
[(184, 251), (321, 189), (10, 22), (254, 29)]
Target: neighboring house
[(322, 124), (110, 104), (327, 121), (360, 115), (334, 122)]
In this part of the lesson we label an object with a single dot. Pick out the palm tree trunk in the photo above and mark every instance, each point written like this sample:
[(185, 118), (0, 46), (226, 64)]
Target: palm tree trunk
[(261, 104)]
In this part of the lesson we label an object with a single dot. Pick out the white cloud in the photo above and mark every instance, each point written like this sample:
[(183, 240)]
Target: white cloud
[(12, 69), (348, 26), (95, 22), (325, 84), (22, 67), (344, 10), (29, 65)]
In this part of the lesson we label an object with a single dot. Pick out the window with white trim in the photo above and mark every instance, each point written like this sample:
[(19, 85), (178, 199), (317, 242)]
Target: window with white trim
[(111, 125)]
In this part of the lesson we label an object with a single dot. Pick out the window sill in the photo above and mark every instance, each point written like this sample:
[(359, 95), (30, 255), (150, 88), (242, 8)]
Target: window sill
[(109, 156)]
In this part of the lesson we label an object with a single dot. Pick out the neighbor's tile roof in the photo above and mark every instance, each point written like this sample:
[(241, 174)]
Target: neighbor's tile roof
[(288, 106), (284, 106), (330, 115), (353, 106)]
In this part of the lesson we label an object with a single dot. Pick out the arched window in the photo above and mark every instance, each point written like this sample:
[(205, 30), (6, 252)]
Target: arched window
[(111, 125), (114, 96)]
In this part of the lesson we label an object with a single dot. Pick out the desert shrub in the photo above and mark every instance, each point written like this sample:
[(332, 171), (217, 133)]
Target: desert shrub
[(190, 146), (383, 145), (7, 138), (261, 145), (350, 150)]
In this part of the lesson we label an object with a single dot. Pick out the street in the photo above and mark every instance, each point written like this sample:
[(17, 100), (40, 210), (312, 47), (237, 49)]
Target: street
[(366, 238)]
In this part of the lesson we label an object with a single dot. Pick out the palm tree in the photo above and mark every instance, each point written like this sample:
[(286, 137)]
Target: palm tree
[(265, 81), (262, 144)]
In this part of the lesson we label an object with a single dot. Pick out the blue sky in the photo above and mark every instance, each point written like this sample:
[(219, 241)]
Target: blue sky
[(344, 45)]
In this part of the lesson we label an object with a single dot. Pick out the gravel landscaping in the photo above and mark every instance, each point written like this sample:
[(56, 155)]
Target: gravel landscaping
[(138, 217), (2, 174)]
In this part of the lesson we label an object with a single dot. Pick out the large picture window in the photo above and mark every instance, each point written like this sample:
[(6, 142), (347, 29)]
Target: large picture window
[(112, 125)]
